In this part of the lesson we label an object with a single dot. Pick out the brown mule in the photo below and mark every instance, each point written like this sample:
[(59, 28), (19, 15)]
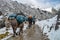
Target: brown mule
[(15, 25)]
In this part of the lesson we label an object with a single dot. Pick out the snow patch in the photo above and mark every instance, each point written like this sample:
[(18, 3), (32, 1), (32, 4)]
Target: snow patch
[(45, 26), (3, 31)]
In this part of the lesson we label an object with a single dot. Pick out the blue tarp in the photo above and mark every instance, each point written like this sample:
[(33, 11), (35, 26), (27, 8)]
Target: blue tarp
[(12, 16), (20, 18)]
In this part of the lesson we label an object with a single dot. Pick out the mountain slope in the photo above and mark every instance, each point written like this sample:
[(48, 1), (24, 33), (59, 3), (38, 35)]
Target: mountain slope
[(14, 7)]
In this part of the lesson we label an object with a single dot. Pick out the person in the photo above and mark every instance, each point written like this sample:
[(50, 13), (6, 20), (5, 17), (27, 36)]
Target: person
[(30, 20)]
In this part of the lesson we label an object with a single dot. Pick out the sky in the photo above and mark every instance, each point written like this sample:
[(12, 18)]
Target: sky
[(43, 4)]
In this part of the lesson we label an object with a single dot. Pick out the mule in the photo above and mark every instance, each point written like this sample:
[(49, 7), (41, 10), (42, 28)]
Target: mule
[(16, 25)]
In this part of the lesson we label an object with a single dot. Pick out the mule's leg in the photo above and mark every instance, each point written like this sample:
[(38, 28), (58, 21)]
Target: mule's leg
[(7, 26), (21, 28), (14, 31)]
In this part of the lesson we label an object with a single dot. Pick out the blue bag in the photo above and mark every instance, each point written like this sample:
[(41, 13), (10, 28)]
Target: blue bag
[(20, 19)]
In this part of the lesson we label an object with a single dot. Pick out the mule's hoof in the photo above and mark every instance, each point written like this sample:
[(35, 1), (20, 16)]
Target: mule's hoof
[(21, 31), (28, 28), (13, 36), (16, 34)]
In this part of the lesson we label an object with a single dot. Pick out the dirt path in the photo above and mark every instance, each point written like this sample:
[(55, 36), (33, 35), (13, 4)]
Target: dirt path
[(34, 33)]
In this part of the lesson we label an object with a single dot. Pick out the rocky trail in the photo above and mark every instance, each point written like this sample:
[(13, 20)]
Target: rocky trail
[(34, 33)]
